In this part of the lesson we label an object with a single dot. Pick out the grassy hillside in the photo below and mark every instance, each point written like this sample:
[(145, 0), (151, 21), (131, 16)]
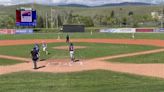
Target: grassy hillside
[(41, 9)]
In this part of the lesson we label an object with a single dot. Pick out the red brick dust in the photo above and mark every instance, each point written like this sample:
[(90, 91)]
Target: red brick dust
[(64, 65)]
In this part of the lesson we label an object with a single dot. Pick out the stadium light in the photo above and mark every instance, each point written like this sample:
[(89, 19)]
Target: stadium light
[(162, 16)]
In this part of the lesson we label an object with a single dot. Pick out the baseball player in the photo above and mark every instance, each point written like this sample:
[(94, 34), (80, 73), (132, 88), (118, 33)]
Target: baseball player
[(71, 51), (67, 38), (133, 35), (36, 46), (44, 46), (35, 57)]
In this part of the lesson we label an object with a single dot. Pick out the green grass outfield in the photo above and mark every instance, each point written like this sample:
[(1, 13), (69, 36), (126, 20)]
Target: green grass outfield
[(101, 49), (141, 59), (84, 35), (88, 81), (5, 62)]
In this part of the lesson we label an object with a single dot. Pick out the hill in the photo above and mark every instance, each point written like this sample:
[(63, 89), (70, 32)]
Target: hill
[(81, 10), (96, 14), (108, 5), (127, 4), (72, 5)]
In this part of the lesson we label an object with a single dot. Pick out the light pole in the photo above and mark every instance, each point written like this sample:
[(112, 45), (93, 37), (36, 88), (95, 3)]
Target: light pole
[(46, 20), (56, 12), (162, 16), (120, 12), (33, 4), (51, 19)]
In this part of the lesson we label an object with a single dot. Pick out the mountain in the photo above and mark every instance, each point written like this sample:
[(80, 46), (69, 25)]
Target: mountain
[(85, 6), (1, 5), (108, 5), (73, 5), (126, 4)]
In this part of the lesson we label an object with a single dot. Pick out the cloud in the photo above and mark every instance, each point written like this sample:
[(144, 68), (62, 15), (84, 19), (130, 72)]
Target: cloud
[(99, 2), (90, 2), (85, 2)]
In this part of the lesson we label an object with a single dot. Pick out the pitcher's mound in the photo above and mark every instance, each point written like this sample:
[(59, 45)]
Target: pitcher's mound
[(66, 47)]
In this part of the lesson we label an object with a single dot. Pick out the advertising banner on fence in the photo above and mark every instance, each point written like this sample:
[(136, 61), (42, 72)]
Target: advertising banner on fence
[(119, 30), (144, 30), (159, 30), (24, 31), (7, 31), (16, 31)]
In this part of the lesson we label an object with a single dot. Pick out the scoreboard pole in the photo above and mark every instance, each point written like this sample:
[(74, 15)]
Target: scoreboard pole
[(33, 4)]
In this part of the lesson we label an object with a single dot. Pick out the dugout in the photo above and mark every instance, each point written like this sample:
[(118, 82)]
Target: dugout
[(73, 28)]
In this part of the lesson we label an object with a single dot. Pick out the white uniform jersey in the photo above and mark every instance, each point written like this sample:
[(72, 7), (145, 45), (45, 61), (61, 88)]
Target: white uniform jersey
[(44, 45)]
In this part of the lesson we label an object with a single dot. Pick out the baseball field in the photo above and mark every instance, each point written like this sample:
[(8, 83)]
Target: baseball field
[(105, 62)]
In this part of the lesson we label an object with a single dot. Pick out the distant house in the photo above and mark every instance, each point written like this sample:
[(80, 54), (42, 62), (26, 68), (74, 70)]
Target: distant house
[(160, 16), (156, 15)]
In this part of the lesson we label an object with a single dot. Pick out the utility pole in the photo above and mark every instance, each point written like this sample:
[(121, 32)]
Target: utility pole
[(56, 18), (120, 12), (46, 20), (162, 16), (51, 19), (53, 11), (57, 21), (33, 3)]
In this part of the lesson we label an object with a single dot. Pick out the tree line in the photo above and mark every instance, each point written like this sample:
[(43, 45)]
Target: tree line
[(112, 20)]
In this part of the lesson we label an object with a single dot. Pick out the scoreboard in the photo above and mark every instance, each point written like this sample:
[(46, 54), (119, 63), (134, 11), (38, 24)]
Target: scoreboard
[(26, 17)]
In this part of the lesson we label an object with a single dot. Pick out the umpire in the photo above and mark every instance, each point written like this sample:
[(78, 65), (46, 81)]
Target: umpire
[(35, 57)]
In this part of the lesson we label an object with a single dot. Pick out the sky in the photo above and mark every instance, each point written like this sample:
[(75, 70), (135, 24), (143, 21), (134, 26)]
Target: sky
[(84, 2)]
